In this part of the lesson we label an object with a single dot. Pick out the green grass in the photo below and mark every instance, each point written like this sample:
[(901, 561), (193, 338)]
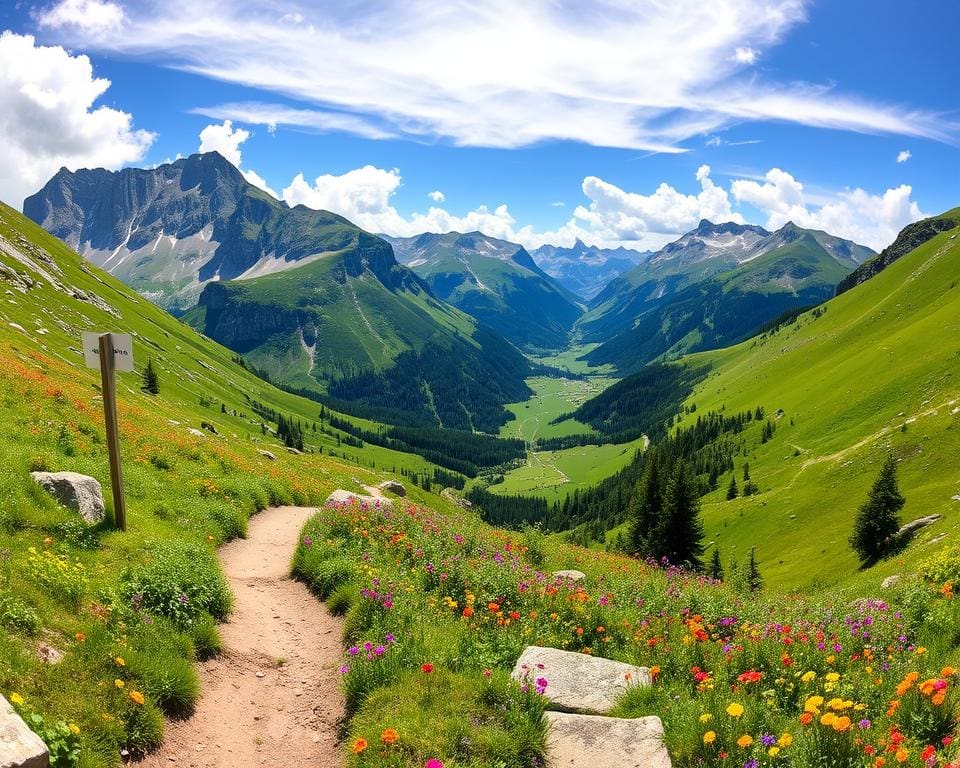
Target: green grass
[(875, 372), (555, 474), (551, 398)]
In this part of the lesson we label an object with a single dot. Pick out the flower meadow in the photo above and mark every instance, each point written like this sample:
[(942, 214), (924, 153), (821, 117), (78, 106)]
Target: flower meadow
[(438, 608)]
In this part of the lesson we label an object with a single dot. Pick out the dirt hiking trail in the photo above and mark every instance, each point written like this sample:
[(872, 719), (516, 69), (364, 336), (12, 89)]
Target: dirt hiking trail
[(273, 698)]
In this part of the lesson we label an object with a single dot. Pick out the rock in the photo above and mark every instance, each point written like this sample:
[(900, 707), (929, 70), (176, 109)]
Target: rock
[(48, 654), (195, 432), (890, 582), (209, 427), (909, 529), (393, 486), (19, 746), (80, 492), (955, 498), (341, 497), (295, 451), (588, 741), (577, 682), (570, 574), (268, 455)]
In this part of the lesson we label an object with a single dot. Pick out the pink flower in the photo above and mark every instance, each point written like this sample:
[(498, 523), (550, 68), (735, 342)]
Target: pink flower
[(433, 763)]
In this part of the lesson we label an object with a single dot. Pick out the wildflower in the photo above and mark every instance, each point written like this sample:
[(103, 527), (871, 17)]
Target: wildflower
[(119, 661), (785, 740), (136, 697), (74, 729), (119, 683), (16, 699), (426, 668), (745, 741), (706, 717), (433, 763), (773, 751), (709, 737), (358, 746), (80, 637), (389, 736), (541, 684), (735, 709)]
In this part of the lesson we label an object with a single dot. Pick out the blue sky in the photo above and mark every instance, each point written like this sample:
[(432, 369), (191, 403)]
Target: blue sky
[(620, 123)]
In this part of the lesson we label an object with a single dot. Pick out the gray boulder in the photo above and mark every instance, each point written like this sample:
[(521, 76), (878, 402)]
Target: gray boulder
[(268, 455), (570, 575), (577, 682), (341, 497), (79, 492), (19, 746), (393, 486), (588, 741), (890, 582)]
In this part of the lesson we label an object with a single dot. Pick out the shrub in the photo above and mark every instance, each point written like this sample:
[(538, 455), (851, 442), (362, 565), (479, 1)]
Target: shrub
[(144, 728), (183, 581), (56, 575), (206, 637), (170, 679), (534, 542), (17, 615), (342, 598), (942, 567)]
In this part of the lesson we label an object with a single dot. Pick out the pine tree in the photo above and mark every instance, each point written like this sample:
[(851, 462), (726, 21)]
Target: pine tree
[(645, 508), (715, 570), (877, 519), (732, 490), (151, 382), (754, 579), (679, 534), (746, 471)]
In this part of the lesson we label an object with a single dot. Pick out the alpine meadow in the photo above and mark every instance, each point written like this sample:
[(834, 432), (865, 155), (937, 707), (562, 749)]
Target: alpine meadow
[(498, 385)]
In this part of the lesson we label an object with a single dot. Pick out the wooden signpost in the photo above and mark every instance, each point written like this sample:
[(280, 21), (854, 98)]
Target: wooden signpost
[(111, 352)]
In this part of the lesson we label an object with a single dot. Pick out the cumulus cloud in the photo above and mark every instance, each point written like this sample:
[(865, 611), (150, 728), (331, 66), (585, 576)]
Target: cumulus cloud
[(644, 75), (91, 16), (48, 118), (903, 156), (437, 196), (870, 219), (226, 140)]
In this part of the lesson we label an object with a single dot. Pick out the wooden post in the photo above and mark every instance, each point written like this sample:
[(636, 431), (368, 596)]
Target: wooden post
[(113, 433)]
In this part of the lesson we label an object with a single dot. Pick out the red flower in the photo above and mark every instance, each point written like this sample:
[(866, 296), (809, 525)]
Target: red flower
[(426, 668)]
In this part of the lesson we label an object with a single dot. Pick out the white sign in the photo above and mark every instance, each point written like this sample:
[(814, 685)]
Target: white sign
[(122, 350)]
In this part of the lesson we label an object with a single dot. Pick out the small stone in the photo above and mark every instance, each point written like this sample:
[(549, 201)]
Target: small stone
[(393, 486), (341, 497), (261, 674), (890, 582), (268, 455), (570, 574)]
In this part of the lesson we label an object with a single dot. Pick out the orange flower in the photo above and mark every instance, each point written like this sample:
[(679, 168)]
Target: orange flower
[(841, 724), (468, 612), (389, 736), (136, 697), (358, 746), (806, 718)]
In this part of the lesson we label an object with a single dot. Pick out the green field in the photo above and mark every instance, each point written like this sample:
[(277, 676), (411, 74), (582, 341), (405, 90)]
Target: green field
[(554, 474), (552, 398)]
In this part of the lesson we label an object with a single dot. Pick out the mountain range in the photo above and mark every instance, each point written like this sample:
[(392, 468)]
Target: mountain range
[(585, 270), (714, 286), (494, 281)]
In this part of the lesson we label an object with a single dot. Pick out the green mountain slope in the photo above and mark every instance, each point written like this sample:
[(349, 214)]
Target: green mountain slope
[(727, 306), (873, 371), (496, 282)]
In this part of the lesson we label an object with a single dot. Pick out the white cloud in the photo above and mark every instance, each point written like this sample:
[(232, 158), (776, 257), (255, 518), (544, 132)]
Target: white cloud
[(903, 156), (272, 115), (645, 74), (91, 16), (558, 204), (437, 196), (48, 119), (872, 220), (224, 139)]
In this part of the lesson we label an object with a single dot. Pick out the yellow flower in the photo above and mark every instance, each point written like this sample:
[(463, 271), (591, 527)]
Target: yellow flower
[(709, 737), (706, 717), (785, 740), (119, 683), (773, 751), (119, 661), (745, 741), (813, 704), (735, 709), (136, 697), (74, 729), (832, 677), (809, 677), (828, 719), (16, 699)]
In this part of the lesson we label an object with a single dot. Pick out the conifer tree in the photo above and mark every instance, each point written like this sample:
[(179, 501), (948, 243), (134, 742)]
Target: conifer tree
[(151, 382), (645, 508), (754, 579), (715, 569), (877, 519), (732, 490), (746, 471), (679, 534)]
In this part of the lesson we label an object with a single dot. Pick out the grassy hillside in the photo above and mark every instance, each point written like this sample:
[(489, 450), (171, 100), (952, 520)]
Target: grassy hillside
[(872, 371), (65, 588)]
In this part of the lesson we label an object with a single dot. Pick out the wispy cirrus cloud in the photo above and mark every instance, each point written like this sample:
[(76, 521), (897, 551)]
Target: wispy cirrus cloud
[(644, 75)]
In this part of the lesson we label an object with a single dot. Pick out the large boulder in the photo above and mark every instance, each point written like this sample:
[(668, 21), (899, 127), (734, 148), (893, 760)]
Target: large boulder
[(341, 497), (19, 746), (570, 575), (393, 486), (577, 682), (588, 741), (80, 492)]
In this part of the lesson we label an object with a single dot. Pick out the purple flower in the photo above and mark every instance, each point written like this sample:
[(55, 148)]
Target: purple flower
[(864, 724), (541, 685), (353, 650), (307, 541), (344, 669), (768, 740)]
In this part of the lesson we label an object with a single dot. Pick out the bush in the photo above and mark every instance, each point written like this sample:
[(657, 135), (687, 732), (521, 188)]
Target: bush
[(144, 728), (183, 581), (170, 679), (206, 637), (56, 575), (18, 616), (342, 598), (942, 567)]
